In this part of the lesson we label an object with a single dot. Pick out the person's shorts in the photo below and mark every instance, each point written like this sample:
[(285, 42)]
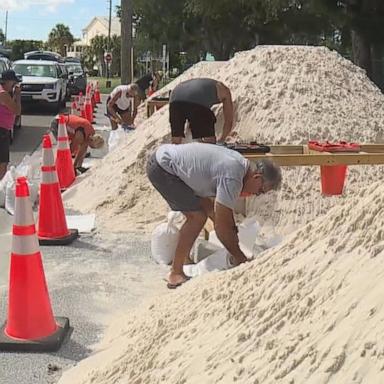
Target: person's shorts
[(5, 142), (179, 196), (201, 119), (116, 108)]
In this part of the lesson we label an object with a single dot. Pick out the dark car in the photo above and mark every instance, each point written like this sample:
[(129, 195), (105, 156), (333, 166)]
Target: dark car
[(77, 76)]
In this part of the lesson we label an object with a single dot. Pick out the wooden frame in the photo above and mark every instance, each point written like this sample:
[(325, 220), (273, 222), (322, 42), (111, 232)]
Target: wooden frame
[(153, 104), (301, 155)]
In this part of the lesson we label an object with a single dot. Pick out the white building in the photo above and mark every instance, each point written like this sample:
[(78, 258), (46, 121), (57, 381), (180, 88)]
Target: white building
[(97, 27)]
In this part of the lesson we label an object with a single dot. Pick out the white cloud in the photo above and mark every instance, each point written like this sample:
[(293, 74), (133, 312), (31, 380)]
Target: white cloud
[(46, 5)]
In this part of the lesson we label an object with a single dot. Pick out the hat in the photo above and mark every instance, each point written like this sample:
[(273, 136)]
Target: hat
[(9, 75)]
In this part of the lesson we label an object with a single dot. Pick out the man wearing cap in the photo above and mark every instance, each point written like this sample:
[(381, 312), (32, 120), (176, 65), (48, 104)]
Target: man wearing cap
[(191, 101), (10, 107), (188, 176), (81, 134)]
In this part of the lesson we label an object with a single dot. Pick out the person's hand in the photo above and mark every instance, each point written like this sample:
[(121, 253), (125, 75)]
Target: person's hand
[(17, 89)]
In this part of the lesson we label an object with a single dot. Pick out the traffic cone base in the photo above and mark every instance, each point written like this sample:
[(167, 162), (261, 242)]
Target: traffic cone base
[(68, 239), (51, 343)]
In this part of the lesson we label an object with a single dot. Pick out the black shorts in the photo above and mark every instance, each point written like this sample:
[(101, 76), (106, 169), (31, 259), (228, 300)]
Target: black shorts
[(5, 142), (179, 196), (201, 119), (116, 108)]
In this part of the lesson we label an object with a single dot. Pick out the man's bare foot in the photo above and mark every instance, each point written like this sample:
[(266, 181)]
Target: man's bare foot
[(177, 278)]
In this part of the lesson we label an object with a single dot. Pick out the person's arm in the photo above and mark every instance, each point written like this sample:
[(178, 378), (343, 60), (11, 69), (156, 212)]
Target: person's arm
[(136, 102), (79, 146), (224, 95), (12, 103), (226, 232), (110, 106)]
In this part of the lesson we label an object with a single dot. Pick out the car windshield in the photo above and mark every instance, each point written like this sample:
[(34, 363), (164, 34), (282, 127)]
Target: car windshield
[(37, 70), (74, 68)]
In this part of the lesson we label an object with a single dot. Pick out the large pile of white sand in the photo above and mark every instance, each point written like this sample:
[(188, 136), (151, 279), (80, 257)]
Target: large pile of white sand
[(309, 311), (282, 94)]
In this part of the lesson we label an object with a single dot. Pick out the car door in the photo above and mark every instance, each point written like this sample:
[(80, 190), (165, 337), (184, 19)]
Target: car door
[(60, 82)]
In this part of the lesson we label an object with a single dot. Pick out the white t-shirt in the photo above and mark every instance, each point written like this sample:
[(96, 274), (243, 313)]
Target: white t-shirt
[(123, 102), (208, 169)]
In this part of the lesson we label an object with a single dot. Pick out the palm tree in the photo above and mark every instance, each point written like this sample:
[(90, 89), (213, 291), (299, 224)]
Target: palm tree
[(98, 45), (59, 37)]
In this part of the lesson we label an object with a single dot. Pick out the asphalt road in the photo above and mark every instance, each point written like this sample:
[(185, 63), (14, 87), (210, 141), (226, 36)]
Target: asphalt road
[(35, 122)]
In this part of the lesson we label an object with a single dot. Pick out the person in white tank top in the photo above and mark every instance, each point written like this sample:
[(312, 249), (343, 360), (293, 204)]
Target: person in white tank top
[(122, 105)]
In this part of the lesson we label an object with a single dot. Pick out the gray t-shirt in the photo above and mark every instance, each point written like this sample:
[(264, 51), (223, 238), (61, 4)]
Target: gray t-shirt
[(208, 169)]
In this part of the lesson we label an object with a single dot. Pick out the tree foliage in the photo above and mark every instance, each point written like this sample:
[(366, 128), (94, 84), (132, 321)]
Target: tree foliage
[(60, 37), (222, 27), (19, 47)]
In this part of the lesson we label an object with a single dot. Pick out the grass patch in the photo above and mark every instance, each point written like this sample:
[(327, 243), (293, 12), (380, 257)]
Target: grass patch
[(102, 83)]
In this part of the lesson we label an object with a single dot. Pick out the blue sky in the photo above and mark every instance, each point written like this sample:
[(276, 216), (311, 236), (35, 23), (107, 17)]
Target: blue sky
[(34, 19)]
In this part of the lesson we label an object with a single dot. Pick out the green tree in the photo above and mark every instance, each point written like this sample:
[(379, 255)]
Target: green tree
[(19, 47), (60, 37), (2, 37)]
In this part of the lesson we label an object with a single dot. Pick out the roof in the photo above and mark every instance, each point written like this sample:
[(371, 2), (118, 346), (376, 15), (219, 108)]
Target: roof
[(43, 62), (115, 24)]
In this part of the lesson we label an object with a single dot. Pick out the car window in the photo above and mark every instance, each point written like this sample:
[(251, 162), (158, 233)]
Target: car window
[(37, 70), (74, 68)]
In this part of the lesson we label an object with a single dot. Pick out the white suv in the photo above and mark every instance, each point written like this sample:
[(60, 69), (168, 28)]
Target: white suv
[(42, 81)]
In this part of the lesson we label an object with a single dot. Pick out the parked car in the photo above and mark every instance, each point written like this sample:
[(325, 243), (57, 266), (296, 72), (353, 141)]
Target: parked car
[(43, 55), (4, 65), (43, 81), (77, 76)]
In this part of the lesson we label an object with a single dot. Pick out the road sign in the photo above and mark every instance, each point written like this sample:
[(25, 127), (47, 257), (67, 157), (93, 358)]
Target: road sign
[(108, 57)]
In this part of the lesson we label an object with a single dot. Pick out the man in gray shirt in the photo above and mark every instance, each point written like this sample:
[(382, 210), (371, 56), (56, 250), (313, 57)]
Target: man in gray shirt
[(192, 101), (188, 176)]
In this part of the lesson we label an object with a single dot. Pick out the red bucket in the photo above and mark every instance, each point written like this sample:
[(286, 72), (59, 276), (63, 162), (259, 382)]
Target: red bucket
[(332, 179)]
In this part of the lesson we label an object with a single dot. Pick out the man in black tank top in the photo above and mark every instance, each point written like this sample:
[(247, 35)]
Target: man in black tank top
[(192, 101)]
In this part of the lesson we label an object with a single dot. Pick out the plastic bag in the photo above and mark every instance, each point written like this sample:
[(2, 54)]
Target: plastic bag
[(115, 138), (164, 240), (248, 231), (10, 191), (3, 187)]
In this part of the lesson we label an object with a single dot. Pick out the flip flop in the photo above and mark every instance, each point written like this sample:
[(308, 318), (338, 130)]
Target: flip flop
[(174, 286)]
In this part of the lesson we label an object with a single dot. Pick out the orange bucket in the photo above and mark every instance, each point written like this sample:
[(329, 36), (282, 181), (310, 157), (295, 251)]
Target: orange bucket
[(332, 179)]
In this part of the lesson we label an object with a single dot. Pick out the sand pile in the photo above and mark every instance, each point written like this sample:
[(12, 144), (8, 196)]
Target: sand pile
[(282, 94), (308, 311)]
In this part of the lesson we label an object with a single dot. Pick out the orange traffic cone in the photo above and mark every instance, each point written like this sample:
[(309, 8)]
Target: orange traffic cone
[(30, 325), (73, 108), (64, 166), (97, 94), (88, 109), (52, 225)]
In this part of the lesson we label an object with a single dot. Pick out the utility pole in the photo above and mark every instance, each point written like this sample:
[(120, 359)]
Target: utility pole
[(126, 42), (108, 64), (6, 28)]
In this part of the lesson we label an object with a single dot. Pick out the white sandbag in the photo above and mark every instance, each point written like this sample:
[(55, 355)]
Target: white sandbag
[(248, 231), (218, 261), (164, 240), (203, 249), (3, 187), (10, 192), (115, 138)]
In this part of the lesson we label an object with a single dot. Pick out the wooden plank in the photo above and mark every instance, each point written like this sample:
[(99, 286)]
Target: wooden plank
[(321, 158), (286, 149)]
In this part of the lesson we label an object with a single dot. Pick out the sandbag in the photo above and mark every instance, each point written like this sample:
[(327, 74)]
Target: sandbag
[(164, 240), (115, 138), (3, 187)]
